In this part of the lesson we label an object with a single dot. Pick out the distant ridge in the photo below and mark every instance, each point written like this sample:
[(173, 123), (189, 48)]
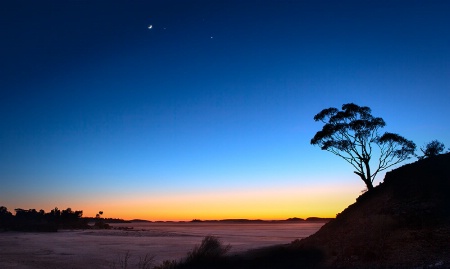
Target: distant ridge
[(295, 219), (139, 220)]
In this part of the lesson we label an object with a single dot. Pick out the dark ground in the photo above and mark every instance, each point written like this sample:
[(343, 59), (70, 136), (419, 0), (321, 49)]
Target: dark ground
[(403, 223)]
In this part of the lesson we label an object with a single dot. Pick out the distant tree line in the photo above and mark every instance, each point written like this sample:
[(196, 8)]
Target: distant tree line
[(40, 221)]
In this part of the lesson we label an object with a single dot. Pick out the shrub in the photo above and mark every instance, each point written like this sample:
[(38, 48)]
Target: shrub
[(146, 262), (210, 249), (432, 149), (167, 264), (123, 262)]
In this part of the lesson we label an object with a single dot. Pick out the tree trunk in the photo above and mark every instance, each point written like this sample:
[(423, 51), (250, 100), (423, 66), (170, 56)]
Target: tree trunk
[(369, 185), (366, 180), (368, 177)]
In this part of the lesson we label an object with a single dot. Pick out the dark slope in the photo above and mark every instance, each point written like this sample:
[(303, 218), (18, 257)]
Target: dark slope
[(404, 222)]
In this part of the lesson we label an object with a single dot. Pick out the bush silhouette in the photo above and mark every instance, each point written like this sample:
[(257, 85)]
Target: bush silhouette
[(210, 249), (167, 264), (432, 149)]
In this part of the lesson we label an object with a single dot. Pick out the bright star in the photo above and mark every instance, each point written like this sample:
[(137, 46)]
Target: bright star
[(150, 26)]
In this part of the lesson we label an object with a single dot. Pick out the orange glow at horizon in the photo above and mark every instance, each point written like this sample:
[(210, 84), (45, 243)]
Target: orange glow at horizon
[(267, 204)]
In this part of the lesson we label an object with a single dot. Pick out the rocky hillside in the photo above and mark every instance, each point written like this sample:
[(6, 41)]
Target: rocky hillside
[(403, 223)]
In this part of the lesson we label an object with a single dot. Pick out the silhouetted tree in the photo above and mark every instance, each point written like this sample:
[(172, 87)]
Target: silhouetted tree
[(69, 215), (100, 222), (433, 148), (353, 133), (70, 219), (6, 218), (99, 215), (55, 212), (4, 212), (33, 220)]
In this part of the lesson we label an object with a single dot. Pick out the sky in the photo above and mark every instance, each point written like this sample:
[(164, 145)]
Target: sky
[(208, 113)]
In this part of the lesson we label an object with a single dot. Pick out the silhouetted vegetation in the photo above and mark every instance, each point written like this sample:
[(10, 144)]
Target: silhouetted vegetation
[(210, 249), (100, 222), (6, 218), (209, 254), (212, 253), (123, 262), (40, 221), (432, 149), (403, 223), (353, 134)]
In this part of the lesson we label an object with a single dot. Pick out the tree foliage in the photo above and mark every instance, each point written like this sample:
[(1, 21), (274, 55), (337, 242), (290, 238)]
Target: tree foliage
[(353, 134), (33, 220), (433, 148), (100, 222)]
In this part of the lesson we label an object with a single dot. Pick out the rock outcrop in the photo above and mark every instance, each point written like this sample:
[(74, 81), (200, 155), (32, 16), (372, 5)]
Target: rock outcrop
[(403, 223)]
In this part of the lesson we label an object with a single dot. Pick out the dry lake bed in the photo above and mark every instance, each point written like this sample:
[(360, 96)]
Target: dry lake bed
[(106, 248)]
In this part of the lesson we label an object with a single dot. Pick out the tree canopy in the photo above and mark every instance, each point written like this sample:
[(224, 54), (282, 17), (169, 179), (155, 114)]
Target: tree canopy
[(432, 149), (353, 134)]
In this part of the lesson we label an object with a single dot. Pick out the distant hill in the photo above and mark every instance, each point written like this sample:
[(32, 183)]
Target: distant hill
[(295, 219), (107, 220), (139, 220), (403, 223)]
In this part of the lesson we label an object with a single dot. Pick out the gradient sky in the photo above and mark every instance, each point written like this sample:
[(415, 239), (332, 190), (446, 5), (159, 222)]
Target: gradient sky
[(209, 114)]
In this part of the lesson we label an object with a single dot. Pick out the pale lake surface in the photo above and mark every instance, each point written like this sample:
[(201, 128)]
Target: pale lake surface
[(103, 248)]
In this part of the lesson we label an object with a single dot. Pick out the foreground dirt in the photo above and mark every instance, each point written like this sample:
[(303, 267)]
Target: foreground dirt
[(107, 248)]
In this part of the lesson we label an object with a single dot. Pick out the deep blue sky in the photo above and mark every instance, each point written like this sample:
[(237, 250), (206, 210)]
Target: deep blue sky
[(218, 96)]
